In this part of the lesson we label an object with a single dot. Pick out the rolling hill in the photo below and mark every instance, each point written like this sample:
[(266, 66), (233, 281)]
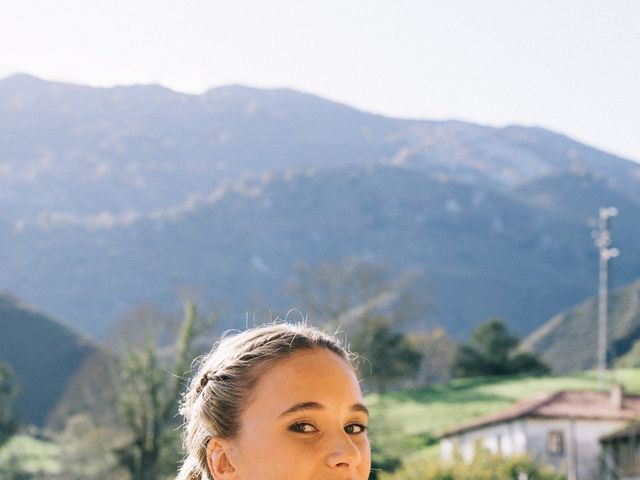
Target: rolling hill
[(43, 354), (568, 341)]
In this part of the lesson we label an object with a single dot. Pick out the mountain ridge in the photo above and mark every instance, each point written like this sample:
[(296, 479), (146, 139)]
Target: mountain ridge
[(567, 341), (113, 178), (27, 334)]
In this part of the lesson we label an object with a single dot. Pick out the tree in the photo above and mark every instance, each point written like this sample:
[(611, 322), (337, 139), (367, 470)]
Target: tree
[(391, 355), (438, 351), (366, 301), (491, 351), (8, 415), (340, 294), (87, 449), (148, 400)]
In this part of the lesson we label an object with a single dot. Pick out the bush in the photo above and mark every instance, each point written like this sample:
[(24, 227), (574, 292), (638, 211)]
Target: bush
[(485, 466)]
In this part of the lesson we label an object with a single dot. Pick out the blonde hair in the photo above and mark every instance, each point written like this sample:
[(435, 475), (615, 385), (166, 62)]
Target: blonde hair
[(226, 378)]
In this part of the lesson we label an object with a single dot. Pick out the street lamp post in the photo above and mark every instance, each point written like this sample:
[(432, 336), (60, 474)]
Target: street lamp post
[(603, 242)]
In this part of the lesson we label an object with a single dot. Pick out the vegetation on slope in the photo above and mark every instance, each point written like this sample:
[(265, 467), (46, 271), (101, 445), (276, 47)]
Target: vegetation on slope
[(567, 342), (43, 354)]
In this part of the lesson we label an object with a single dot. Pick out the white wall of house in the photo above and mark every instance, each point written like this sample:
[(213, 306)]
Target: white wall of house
[(507, 438), (579, 455)]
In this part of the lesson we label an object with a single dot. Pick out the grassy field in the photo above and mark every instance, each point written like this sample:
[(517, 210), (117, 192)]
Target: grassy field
[(407, 423), (404, 424)]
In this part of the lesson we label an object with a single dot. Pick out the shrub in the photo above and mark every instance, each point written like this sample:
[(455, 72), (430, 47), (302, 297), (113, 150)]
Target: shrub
[(485, 466)]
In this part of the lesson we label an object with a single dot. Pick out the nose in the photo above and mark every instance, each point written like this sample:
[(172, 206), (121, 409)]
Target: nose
[(343, 453)]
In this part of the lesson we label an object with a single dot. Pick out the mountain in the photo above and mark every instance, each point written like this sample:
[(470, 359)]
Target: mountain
[(112, 197), (568, 341), (575, 192), (481, 253), (82, 150), (43, 354)]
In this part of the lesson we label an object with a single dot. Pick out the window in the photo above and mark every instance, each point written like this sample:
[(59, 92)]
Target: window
[(555, 442)]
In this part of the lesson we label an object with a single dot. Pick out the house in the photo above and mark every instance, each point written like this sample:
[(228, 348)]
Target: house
[(620, 459), (561, 429)]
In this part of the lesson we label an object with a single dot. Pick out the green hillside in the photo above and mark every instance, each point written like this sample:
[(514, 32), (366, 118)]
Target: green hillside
[(567, 342), (631, 359), (43, 353), (409, 422)]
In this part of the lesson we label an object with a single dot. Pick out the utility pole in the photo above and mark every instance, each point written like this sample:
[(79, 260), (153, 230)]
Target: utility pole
[(603, 242)]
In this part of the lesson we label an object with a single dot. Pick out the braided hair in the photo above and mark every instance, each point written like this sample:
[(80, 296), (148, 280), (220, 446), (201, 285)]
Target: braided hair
[(227, 376)]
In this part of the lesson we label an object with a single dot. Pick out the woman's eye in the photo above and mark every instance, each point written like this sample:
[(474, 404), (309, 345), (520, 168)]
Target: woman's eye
[(355, 428), (302, 427)]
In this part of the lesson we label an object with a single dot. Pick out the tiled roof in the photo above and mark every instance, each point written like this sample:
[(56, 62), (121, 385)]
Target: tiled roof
[(629, 431), (590, 404), (584, 404)]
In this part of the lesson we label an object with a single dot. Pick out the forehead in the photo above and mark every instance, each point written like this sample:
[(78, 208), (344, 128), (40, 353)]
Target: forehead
[(318, 375)]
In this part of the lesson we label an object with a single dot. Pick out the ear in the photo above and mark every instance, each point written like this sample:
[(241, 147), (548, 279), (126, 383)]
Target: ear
[(219, 459)]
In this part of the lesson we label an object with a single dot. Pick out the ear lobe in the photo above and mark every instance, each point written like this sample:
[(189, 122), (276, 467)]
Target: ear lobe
[(219, 460)]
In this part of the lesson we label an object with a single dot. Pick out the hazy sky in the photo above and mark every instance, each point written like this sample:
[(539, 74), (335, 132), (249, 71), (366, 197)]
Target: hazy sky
[(572, 66)]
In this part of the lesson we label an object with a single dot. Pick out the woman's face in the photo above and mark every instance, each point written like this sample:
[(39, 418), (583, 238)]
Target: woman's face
[(305, 421)]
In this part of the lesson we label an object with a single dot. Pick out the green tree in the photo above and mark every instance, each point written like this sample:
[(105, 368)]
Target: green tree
[(391, 356), (491, 351), (149, 393), (8, 415)]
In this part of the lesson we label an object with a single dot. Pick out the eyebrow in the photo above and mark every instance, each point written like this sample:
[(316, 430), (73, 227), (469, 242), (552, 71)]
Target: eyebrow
[(356, 407)]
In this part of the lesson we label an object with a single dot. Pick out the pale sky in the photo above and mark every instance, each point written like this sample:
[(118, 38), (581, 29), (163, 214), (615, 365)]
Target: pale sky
[(570, 66)]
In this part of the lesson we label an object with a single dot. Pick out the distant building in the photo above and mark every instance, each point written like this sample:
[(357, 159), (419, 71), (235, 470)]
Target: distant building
[(621, 454), (562, 429)]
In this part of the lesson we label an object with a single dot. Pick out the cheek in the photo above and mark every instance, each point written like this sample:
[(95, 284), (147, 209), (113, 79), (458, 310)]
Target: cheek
[(364, 468), (269, 456)]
